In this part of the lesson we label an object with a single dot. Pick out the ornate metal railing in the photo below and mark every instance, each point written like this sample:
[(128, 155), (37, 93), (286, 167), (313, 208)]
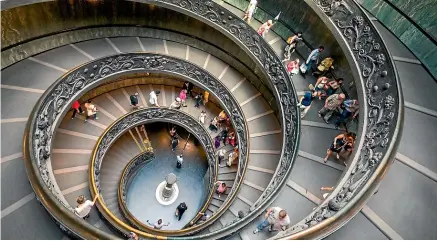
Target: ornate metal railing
[(56, 101), (378, 89), (381, 115), (121, 126), (128, 174)]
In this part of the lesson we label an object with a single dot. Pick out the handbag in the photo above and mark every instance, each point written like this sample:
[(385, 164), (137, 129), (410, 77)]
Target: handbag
[(303, 68)]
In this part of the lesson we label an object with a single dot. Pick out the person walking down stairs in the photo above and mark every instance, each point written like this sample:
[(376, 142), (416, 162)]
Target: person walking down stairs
[(134, 101), (84, 206), (91, 111), (76, 109), (153, 98)]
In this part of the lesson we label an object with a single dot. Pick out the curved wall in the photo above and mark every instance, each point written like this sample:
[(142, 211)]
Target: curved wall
[(413, 22)]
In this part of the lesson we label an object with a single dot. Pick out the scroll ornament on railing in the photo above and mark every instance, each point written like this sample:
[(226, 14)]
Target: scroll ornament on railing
[(382, 105)]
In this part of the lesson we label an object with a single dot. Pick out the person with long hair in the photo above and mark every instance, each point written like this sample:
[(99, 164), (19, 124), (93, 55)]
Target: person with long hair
[(338, 144)]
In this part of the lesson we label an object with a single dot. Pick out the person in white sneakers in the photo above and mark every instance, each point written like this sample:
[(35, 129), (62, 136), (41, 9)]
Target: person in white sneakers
[(84, 206), (276, 219)]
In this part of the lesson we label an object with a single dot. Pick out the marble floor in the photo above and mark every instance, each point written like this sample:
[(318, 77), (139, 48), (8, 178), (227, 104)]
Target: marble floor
[(141, 199)]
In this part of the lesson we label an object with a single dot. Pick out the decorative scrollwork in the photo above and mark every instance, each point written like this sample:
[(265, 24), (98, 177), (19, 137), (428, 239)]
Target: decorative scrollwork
[(64, 91), (382, 97)]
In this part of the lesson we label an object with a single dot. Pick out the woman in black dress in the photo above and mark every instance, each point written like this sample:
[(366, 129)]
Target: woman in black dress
[(339, 143)]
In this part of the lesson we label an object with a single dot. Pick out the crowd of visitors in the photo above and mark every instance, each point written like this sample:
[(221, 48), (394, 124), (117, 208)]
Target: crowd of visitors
[(326, 88)]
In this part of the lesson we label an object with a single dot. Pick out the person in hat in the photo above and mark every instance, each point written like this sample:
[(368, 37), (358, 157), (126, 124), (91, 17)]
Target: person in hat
[(264, 28)]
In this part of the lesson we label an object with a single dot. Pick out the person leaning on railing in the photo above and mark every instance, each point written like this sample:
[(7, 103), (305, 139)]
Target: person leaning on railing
[(84, 206)]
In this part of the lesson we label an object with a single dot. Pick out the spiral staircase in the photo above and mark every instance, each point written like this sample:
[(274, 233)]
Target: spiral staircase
[(400, 207)]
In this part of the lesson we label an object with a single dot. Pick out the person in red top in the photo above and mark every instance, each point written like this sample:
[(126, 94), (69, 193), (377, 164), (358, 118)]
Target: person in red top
[(76, 108)]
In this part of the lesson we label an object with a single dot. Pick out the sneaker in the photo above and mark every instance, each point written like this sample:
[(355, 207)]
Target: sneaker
[(255, 231), (97, 118), (270, 229), (320, 115), (338, 156)]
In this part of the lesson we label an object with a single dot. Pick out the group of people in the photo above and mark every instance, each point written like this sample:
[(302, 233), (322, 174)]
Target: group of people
[(187, 91), (327, 88), (90, 109)]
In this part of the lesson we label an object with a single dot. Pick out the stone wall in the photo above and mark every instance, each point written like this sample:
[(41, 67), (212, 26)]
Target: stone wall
[(423, 13)]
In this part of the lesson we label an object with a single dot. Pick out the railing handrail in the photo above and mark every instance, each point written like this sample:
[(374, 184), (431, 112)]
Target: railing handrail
[(382, 116), (121, 126), (88, 75)]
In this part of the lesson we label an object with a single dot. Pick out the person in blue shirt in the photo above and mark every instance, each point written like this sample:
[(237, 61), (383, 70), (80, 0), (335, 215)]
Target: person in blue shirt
[(312, 58), (305, 102), (349, 107)]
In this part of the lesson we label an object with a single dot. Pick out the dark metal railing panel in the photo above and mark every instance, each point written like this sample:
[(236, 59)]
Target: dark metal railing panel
[(270, 65), (123, 125), (56, 101), (381, 117)]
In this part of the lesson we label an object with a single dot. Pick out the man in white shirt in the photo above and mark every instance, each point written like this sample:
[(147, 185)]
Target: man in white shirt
[(276, 219), (158, 224), (84, 206), (221, 155), (153, 97)]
